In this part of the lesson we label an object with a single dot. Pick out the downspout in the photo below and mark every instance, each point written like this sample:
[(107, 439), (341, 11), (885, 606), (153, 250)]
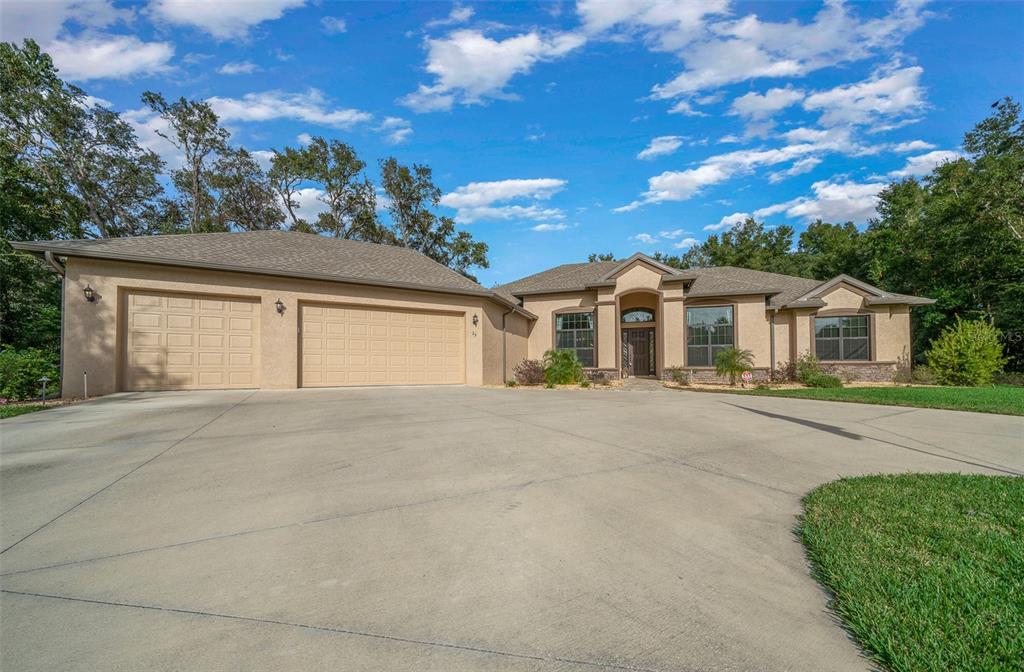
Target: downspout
[(504, 347), (60, 270), (772, 346)]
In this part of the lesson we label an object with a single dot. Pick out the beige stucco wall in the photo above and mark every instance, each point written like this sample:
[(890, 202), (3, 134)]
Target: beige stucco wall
[(91, 338), (544, 306), (514, 341), (889, 330)]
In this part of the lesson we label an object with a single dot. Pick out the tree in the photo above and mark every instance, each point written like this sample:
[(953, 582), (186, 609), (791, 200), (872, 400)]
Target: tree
[(289, 169), (245, 199), (827, 250), (748, 244), (411, 195), (607, 256), (84, 155), (195, 131)]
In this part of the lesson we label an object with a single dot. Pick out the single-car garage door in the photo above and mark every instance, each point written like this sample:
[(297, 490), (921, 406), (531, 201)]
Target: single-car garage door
[(190, 341), (353, 345)]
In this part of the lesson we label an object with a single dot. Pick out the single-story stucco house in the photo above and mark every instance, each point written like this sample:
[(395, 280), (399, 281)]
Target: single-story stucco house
[(279, 310)]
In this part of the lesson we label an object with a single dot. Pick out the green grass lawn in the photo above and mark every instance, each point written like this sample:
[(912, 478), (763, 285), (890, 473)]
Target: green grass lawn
[(11, 410), (993, 399), (926, 570)]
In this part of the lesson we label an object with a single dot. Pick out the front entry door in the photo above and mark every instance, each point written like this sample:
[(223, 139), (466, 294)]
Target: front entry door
[(638, 351)]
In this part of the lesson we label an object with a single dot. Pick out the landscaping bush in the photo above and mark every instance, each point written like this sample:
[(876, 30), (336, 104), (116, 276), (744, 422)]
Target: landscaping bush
[(923, 375), (807, 367), (732, 362), (529, 372), (561, 367), (822, 380), (968, 353), (678, 374), (20, 369), (584, 383), (1015, 378)]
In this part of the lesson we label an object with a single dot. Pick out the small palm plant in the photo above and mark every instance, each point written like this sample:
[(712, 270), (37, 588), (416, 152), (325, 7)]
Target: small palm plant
[(733, 362)]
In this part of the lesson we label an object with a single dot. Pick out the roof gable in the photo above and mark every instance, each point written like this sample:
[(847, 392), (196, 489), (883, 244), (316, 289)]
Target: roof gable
[(641, 258)]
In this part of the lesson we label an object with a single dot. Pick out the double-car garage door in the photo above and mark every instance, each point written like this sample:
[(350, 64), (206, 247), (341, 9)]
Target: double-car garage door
[(357, 345), (201, 341)]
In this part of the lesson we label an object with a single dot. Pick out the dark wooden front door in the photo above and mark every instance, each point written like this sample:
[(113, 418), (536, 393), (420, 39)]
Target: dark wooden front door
[(638, 351)]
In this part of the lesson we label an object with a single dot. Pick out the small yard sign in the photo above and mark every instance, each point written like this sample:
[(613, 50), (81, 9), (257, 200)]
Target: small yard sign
[(747, 377)]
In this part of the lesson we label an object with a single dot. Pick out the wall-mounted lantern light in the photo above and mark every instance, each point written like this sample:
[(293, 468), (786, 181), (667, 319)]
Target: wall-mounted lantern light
[(476, 320), (280, 306), (90, 294)]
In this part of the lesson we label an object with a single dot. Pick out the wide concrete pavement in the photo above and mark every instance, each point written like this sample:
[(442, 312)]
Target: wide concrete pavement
[(440, 528)]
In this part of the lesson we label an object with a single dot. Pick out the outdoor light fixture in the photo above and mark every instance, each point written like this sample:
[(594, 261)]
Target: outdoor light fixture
[(280, 306), (90, 294), (476, 320)]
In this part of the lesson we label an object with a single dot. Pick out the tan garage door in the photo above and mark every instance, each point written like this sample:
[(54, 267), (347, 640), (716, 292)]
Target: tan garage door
[(351, 345), (190, 341)]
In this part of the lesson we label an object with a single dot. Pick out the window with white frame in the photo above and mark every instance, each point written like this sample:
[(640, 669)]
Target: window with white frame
[(708, 332), (575, 331), (842, 338)]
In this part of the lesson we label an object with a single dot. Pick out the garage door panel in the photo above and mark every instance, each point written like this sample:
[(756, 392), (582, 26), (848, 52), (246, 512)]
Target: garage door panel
[(177, 341), (378, 346)]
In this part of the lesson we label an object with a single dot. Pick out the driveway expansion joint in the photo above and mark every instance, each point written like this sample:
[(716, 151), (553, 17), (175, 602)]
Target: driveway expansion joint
[(346, 631)]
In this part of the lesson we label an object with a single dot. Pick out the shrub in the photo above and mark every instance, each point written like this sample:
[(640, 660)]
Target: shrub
[(969, 353), (678, 374), (1015, 378), (20, 369), (732, 362), (807, 367), (562, 368), (598, 377), (822, 380), (922, 375), (584, 383), (549, 386), (785, 372), (510, 383), (529, 372)]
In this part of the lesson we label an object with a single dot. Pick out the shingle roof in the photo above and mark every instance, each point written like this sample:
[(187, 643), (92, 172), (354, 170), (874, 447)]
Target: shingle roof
[(284, 253), (707, 282)]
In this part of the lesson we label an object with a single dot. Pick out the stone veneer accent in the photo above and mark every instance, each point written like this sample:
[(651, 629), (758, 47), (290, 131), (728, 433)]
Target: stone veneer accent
[(875, 372)]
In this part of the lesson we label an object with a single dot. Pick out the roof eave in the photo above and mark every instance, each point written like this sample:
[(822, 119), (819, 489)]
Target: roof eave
[(894, 301), (734, 292)]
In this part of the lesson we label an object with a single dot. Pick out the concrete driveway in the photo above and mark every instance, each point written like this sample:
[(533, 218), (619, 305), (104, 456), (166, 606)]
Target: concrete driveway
[(440, 528)]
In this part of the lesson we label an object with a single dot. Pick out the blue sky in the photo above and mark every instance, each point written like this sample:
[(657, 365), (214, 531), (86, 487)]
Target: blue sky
[(560, 129)]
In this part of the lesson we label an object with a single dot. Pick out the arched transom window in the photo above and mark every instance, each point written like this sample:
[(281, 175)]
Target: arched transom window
[(638, 315)]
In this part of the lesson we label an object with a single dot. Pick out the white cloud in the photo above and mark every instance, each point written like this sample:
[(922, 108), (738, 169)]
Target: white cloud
[(759, 106), (686, 243), (883, 95), (728, 139), (661, 146), (92, 54), (311, 106), (728, 51), (109, 56), (645, 238), (925, 163), (147, 127), (549, 227), (469, 67), (225, 19), (912, 146), (673, 234), (396, 130), (304, 138), (798, 168), (238, 68), (333, 25), (728, 221), (832, 202), (478, 200), (685, 108), (263, 157), (310, 203), (666, 25), (459, 14)]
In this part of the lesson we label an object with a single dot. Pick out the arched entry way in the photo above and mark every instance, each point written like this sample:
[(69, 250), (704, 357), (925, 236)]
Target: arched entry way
[(639, 319)]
